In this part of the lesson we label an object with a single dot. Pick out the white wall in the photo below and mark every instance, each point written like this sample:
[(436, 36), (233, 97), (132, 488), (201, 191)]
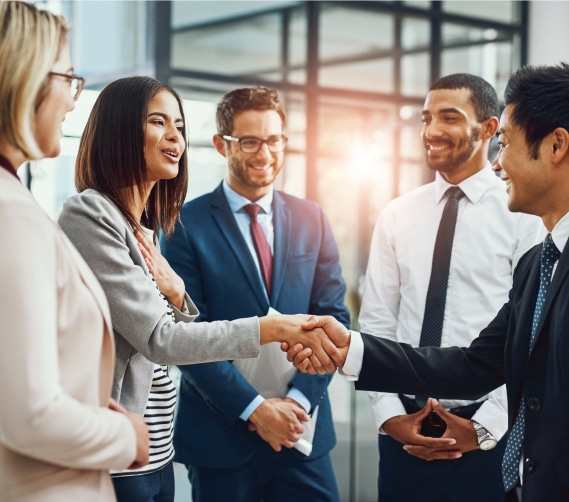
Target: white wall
[(548, 32)]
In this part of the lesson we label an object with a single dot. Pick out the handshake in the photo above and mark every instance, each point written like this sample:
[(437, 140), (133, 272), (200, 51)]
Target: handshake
[(314, 344)]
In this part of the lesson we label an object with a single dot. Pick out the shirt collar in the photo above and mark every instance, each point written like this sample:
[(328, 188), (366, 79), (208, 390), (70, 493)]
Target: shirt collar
[(560, 233), (236, 201), (473, 187)]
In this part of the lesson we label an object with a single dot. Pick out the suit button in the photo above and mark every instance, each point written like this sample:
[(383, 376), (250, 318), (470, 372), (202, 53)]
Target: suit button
[(529, 465), (533, 404)]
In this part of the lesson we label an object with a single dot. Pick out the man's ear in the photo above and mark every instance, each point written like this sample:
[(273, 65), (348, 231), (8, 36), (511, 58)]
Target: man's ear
[(220, 144), (489, 127), (559, 144)]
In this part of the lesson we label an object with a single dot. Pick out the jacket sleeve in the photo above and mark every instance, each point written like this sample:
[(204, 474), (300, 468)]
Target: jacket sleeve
[(139, 314), (469, 373)]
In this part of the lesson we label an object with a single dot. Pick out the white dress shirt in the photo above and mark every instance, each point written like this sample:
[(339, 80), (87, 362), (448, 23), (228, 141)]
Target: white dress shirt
[(488, 242)]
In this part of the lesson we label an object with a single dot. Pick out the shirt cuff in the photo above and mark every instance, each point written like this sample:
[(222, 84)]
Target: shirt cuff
[(353, 365), (253, 405), (298, 396)]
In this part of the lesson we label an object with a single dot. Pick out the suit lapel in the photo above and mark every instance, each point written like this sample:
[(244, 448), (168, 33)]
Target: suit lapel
[(282, 224), (229, 230)]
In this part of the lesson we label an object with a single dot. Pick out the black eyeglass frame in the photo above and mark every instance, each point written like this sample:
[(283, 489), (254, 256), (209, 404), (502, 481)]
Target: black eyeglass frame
[(71, 78), (260, 140)]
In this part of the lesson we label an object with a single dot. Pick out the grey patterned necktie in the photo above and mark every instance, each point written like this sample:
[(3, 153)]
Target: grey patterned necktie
[(511, 461)]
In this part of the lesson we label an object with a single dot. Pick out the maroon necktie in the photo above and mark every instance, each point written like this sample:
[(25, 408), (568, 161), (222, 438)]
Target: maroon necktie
[(261, 245)]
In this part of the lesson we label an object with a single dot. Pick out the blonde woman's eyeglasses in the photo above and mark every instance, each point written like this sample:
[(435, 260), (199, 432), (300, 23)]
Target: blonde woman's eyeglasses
[(76, 82)]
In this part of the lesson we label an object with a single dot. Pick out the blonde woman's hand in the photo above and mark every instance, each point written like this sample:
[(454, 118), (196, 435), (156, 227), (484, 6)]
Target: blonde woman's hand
[(170, 284), (141, 431)]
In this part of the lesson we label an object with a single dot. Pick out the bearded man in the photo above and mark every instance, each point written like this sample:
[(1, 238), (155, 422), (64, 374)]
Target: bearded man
[(426, 285)]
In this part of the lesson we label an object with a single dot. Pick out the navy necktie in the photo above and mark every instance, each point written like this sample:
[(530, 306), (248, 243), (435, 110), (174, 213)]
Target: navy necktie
[(511, 462), (261, 245)]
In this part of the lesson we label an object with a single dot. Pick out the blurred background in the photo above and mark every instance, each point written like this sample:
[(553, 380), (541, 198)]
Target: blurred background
[(353, 76)]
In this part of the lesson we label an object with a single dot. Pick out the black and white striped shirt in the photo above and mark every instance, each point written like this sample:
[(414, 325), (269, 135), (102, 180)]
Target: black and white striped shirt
[(159, 416)]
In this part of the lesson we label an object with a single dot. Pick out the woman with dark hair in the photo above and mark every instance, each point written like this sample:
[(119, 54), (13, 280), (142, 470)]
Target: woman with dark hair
[(59, 431), (131, 173)]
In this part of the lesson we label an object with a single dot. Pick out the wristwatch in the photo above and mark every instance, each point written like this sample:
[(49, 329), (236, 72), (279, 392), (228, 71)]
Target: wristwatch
[(485, 440)]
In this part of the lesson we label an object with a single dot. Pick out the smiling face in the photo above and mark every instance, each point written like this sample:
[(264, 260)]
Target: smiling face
[(53, 108), (252, 174), (528, 185), (451, 134), (164, 143)]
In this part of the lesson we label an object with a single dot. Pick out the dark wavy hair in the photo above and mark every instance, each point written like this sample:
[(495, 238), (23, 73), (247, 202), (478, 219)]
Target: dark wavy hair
[(482, 95), (111, 153), (540, 96)]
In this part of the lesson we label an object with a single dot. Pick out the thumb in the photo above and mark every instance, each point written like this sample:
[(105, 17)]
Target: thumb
[(425, 411), (439, 409), (312, 322), (115, 406)]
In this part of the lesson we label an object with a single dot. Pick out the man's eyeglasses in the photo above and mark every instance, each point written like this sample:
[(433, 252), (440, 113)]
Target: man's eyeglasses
[(76, 83), (252, 144)]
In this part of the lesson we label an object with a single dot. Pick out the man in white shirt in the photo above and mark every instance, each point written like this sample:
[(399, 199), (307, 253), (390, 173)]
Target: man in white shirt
[(459, 120), (526, 344)]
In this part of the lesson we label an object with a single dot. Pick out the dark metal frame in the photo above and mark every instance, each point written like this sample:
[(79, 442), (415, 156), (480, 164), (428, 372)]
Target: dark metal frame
[(311, 89)]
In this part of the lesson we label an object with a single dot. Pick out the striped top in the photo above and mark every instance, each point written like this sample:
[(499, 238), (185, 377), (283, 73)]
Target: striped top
[(159, 416)]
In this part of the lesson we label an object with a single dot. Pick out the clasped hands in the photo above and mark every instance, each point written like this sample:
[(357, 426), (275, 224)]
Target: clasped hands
[(278, 421), (320, 347), (458, 438)]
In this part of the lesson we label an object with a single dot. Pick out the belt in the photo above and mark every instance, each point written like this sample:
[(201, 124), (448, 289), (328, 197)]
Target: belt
[(433, 425)]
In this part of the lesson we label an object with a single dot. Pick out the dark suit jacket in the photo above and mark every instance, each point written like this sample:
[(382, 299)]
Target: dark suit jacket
[(501, 354), (210, 254)]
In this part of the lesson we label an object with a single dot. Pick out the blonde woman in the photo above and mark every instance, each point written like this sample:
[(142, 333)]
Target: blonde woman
[(59, 431)]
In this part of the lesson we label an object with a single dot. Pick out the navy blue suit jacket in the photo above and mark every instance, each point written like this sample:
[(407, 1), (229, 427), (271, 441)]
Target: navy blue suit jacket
[(210, 254), (501, 354)]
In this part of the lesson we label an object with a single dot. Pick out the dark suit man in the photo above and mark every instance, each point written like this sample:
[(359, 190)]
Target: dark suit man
[(229, 436), (527, 344)]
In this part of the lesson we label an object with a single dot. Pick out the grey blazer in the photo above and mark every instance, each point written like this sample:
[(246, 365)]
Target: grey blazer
[(144, 332)]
